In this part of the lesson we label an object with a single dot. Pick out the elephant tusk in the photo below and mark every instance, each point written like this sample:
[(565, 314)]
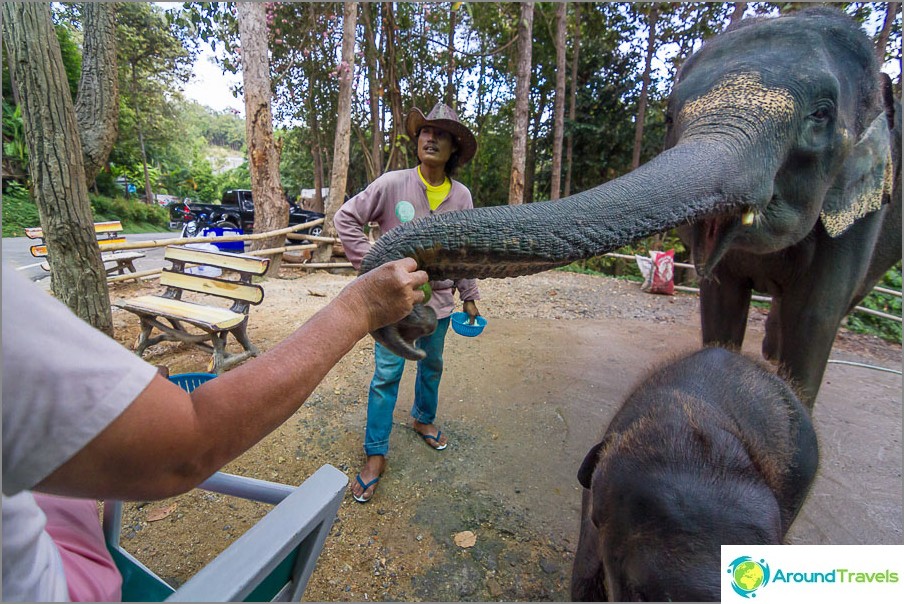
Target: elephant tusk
[(747, 218)]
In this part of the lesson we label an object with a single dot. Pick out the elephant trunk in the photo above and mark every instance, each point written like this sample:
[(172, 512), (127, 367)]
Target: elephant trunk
[(509, 241)]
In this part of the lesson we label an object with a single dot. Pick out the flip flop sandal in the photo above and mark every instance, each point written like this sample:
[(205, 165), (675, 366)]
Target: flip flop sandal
[(429, 437), (365, 487)]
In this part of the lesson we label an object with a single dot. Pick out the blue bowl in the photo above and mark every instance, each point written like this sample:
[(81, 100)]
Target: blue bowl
[(462, 327), (190, 381)]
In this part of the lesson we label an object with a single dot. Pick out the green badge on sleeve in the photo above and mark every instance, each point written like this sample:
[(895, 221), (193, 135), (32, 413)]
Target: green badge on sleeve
[(404, 211)]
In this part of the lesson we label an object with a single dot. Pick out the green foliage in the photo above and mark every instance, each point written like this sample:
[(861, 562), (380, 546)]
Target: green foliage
[(72, 57), (886, 303), (19, 211), (136, 216), (15, 148)]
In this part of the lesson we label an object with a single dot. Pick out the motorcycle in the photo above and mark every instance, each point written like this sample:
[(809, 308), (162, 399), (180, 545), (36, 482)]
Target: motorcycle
[(193, 224)]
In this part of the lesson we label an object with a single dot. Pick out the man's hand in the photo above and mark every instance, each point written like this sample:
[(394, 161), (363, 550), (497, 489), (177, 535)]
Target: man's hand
[(470, 307), (386, 294)]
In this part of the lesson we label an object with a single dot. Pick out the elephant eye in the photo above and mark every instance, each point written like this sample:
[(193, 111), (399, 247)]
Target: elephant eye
[(822, 114)]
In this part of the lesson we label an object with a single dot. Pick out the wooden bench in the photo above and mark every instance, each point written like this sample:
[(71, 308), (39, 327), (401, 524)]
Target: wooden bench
[(215, 322), (107, 234)]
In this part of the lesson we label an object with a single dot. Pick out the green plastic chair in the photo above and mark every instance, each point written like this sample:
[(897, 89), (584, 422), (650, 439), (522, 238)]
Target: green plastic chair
[(272, 561)]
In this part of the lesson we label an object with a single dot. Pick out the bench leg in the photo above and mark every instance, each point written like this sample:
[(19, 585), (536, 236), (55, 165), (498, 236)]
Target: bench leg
[(144, 340), (222, 360), (241, 334)]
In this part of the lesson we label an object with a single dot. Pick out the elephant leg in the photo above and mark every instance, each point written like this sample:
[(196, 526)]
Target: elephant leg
[(808, 336), (772, 342), (724, 304)]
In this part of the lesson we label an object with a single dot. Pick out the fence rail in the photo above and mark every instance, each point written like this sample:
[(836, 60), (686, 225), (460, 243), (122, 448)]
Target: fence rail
[(758, 298)]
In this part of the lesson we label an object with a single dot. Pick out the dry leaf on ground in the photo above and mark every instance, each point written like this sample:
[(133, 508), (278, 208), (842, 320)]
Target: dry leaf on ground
[(161, 512), (465, 539)]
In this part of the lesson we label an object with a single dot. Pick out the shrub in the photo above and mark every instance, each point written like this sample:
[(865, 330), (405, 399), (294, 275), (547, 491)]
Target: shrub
[(19, 211), (886, 303)]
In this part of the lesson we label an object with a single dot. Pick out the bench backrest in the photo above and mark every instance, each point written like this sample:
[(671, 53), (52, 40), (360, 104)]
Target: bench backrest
[(107, 234), (242, 291)]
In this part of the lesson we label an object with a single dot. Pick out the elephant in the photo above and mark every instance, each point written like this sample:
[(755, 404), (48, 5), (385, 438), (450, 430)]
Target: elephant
[(781, 169), (711, 448)]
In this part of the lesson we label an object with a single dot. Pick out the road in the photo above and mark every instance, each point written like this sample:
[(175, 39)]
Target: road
[(16, 253)]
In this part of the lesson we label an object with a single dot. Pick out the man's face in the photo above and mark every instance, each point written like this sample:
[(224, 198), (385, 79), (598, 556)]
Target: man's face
[(435, 146)]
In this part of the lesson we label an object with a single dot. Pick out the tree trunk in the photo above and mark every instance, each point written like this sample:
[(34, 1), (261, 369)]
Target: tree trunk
[(450, 65), (530, 163), (653, 15), (738, 13), (97, 103), (398, 154), (339, 173), (271, 212), (316, 204), (572, 101), (891, 11), (522, 97), (77, 275), (375, 167), (148, 190), (559, 110)]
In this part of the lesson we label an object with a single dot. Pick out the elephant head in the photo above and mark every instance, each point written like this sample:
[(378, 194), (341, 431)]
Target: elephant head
[(775, 129)]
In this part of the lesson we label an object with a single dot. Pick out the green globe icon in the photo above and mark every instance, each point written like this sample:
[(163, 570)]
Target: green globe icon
[(748, 575)]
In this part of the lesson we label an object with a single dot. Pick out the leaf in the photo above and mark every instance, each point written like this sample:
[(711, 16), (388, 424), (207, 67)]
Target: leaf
[(162, 512)]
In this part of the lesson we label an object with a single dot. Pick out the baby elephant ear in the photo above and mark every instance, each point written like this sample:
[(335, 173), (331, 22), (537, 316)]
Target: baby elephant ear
[(585, 473), (864, 183)]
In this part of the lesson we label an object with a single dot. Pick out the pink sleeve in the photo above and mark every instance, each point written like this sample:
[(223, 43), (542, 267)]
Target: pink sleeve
[(350, 220), (467, 289)]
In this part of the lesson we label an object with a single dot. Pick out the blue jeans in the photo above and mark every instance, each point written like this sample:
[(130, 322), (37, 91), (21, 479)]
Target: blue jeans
[(384, 388)]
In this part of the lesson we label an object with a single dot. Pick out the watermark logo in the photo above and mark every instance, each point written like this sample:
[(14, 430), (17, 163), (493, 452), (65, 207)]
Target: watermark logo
[(748, 575)]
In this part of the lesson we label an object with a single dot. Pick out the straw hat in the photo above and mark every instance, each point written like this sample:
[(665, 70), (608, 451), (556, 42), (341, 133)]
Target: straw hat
[(444, 117)]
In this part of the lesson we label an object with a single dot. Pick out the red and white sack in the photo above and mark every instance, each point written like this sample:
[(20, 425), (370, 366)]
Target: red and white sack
[(658, 272)]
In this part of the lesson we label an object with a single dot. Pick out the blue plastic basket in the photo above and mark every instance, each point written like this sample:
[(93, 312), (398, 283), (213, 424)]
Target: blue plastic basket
[(236, 247), (190, 381), (461, 325)]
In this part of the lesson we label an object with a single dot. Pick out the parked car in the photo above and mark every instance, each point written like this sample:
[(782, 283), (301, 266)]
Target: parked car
[(236, 211)]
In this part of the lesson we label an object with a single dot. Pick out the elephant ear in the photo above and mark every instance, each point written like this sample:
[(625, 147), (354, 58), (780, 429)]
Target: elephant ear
[(864, 183), (585, 472)]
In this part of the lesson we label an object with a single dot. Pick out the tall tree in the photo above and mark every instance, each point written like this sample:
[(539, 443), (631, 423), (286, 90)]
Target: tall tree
[(97, 104), (891, 10), (339, 173), (369, 12), (572, 100), (271, 212), (522, 97), (652, 16), (153, 62), (398, 158), (77, 275), (738, 13), (450, 65), (559, 107)]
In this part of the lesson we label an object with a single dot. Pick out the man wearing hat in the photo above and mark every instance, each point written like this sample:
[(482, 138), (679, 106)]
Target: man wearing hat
[(443, 144)]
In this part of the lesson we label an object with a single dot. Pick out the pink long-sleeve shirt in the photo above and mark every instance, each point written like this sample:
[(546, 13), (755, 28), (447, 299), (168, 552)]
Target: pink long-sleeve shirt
[(396, 197)]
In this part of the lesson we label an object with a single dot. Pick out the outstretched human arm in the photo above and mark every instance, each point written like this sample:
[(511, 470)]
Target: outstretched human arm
[(168, 441)]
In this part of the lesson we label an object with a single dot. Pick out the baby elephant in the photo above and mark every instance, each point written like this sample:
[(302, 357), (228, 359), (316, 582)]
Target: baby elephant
[(711, 449)]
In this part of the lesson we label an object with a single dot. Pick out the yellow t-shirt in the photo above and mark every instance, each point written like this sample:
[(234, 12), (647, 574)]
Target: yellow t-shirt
[(435, 195)]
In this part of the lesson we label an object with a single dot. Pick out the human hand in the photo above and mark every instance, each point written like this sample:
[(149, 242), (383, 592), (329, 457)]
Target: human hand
[(470, 307), (387, 293)]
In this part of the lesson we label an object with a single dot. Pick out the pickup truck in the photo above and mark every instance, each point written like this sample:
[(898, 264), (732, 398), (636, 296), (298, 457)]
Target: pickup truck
[(235, 211)]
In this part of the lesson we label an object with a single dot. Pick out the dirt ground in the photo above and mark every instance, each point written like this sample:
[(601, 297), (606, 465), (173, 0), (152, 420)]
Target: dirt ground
[(521, 405)]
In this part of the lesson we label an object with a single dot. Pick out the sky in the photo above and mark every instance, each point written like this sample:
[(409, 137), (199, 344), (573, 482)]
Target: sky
[(211, 87)]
